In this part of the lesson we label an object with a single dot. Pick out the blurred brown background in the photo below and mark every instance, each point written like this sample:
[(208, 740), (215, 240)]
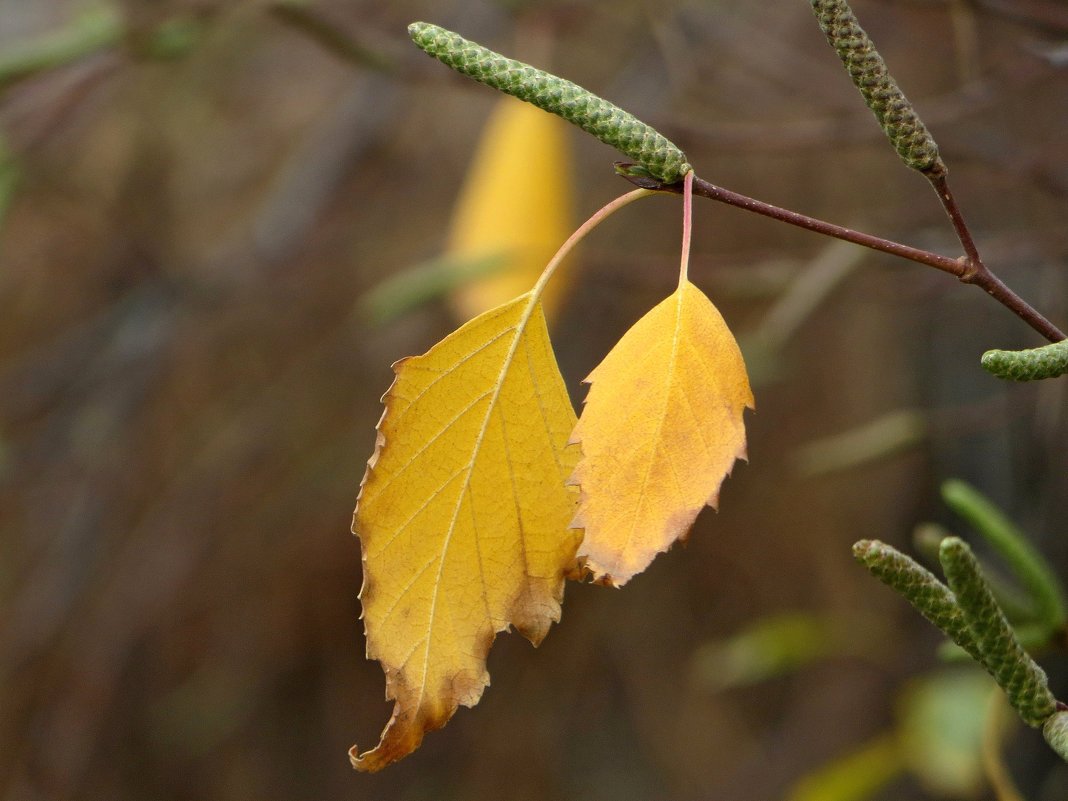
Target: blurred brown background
[(196, 194)]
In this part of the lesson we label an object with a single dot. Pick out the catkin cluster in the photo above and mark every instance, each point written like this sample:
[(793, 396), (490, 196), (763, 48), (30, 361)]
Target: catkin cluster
[(866, 67), (1023, 681), (921, 587), (593, 114)]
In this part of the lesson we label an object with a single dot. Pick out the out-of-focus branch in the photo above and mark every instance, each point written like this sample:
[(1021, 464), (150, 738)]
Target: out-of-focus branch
[(300, 16), (1048, 17), (97, 29), (105, 27)]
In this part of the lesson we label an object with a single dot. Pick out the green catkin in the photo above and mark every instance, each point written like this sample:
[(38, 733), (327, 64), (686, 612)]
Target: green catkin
[(1055, 730), (929, 596), (870, 75), (1045, 595), (1023, 681), (595, 115), (1049, 361)]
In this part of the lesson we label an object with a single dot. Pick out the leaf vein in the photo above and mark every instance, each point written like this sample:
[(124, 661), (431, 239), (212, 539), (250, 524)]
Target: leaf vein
[(447, 372), (388, 480), (671, 363), (519, 330), (478, 551), (407, 588), (430, 499), (541, 411)]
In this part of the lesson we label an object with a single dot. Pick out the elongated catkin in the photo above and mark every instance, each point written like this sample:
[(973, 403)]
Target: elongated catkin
[(1049, 361), (903, 127), (593, 114)]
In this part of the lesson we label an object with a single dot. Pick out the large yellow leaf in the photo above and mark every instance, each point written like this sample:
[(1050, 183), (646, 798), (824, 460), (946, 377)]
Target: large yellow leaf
[(660, 430), (515, 205), (463, 516)]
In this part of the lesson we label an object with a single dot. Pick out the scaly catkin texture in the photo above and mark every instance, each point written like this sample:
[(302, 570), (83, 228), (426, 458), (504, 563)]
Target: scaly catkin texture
[(929, 596), (1023, 681), (595, 115), (1049, 361), (1055, 731), (869, 72)]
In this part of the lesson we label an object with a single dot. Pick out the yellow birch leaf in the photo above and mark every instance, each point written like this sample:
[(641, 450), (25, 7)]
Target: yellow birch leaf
[(515, 204), (660, 430), (463, 516)]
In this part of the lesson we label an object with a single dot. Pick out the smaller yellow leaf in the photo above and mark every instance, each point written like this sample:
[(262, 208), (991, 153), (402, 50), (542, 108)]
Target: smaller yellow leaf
[(515, 201), (661, 429)]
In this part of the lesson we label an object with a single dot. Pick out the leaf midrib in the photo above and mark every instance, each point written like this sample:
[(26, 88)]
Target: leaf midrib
[(519, 331), (675, 338)]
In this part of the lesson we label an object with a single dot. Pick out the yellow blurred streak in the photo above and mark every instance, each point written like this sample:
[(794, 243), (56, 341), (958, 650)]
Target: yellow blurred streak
[(516, 199), (853, 777), (999, 719)]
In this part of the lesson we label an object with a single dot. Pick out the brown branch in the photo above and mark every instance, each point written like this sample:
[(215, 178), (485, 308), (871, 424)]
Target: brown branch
[(976, 272), (968, 268), (949, 203)]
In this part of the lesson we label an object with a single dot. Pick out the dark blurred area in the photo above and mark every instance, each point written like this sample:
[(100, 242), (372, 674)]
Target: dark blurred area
[(195, 196)]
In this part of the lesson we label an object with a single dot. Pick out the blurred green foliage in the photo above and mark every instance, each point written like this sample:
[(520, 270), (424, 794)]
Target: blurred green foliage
[(772, 646), (941, 722), (1031, 569), (429, 281), (97, 28), (9, 177)]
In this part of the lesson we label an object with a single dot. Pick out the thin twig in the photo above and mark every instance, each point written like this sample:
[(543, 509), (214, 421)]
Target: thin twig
[(705, 189), (976, 272), (968, 270), (949, 203)]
